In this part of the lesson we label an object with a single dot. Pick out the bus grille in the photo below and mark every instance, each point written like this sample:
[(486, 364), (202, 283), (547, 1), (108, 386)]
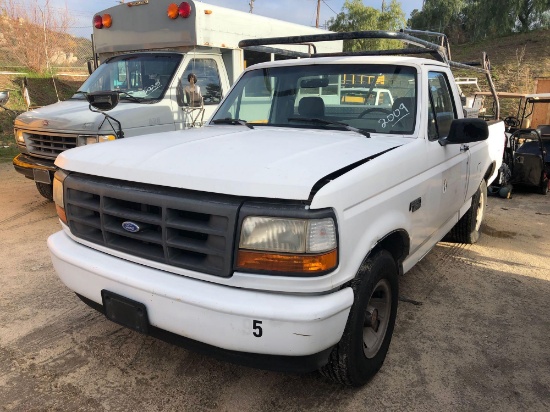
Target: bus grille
[(46, 145)]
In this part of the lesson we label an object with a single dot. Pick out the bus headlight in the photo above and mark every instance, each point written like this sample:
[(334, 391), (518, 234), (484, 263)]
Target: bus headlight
[(19, 137), (86, 140)]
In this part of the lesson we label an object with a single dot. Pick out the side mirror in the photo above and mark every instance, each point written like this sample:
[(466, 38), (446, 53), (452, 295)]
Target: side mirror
[(103, 101), (466, 131), (91, 66), (4, 97)]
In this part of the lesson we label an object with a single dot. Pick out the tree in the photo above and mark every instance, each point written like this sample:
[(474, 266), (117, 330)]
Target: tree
[(476, 19), (355, 16), (442, 16), (33, 37)]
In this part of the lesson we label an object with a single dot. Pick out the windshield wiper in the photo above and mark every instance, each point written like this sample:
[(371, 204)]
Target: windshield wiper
[(327, 122), (130, 97), (228, 120)]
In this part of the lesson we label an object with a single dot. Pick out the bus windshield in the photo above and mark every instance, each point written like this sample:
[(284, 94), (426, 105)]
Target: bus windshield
[(138, 78)]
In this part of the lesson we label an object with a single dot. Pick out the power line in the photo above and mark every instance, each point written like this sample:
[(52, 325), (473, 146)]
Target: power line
[(329, 7)]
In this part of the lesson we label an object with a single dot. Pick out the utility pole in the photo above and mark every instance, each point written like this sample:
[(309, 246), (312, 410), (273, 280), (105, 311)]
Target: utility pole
[(251, 4), (318, 11)]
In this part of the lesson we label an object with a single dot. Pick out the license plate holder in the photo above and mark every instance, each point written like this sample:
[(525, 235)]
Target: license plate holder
[(41, 176), (125, 311)]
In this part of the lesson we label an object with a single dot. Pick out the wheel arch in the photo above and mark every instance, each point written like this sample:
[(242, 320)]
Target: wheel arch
[(397, 243), (490, 172)]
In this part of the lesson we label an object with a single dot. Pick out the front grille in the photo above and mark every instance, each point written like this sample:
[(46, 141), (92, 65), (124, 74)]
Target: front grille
[(49, 145), (187, 229)]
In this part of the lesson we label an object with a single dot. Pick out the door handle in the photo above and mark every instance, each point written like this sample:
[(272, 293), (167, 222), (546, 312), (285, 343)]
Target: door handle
[(464, 148)]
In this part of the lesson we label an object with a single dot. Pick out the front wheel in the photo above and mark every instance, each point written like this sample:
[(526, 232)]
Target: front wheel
[(45, 190), (366, 339), (467, 230)]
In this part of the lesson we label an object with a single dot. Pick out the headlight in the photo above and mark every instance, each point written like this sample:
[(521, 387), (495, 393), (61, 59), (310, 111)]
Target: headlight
[(19, 137), (307, 246), (85, 140), (58, 179)]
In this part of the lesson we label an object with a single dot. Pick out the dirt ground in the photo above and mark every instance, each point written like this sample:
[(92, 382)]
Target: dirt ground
[(472, 333)]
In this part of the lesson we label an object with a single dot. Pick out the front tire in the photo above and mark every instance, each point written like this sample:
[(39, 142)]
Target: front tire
[(45, 190), (467, 230), (366, 339)]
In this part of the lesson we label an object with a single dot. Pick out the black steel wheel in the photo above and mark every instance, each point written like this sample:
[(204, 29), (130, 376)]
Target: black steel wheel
[(366, 339), (45, 190)]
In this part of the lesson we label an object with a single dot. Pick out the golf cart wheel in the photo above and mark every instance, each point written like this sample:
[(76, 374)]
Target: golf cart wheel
[(366, 339), (467, 230), (543, 190), (45, 190)]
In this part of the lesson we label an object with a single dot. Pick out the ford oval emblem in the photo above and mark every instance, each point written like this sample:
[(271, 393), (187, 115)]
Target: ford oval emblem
[(130, 227)]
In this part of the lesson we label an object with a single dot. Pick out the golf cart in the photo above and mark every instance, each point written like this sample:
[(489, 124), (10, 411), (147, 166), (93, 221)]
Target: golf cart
[(512, 122), (526, 159)]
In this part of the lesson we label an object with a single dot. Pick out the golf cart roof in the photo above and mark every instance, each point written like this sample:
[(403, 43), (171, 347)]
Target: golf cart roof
[(539, 97), (508, 95), (532, 97)]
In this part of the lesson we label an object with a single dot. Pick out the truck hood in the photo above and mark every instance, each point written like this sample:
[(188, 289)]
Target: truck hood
[(267, 162), (74, 116)]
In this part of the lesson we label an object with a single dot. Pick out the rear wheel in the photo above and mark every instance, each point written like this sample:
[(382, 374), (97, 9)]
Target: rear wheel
[(543, 189), (45, 190), (467, 230), (366, 339)]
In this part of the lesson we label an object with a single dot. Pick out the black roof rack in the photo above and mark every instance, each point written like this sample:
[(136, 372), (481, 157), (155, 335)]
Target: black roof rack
[(440, 52)]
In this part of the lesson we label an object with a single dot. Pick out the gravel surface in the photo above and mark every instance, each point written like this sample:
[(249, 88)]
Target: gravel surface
[(472, 332)]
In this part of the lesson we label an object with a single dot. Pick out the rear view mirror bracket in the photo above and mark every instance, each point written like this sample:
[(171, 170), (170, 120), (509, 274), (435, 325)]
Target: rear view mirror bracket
[(103, 101)]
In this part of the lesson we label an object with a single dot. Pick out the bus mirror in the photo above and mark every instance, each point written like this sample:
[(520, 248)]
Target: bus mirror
[(103, 100), (91, 67)]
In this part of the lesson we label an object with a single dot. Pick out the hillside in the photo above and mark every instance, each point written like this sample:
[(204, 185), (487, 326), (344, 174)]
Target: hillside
[(516, 61), (41, 91)]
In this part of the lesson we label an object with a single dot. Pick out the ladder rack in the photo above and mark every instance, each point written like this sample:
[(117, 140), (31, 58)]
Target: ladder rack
[(440, 52)]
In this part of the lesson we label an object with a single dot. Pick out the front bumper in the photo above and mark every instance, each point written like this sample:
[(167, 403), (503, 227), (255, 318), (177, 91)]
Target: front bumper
[(215, 315), (29, 166)]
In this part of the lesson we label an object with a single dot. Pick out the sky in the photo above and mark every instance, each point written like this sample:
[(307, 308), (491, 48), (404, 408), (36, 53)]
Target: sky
[(296, 11)]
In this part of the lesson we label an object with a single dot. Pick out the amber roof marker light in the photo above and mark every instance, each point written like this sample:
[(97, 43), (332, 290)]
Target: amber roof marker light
[(173, 11), (107, 20)]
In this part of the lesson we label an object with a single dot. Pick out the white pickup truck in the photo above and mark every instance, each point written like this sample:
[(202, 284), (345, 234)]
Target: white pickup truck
[(275, 235)]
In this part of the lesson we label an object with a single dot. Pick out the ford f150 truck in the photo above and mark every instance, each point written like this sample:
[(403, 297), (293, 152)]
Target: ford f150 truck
[(275, 235), (148, 50)]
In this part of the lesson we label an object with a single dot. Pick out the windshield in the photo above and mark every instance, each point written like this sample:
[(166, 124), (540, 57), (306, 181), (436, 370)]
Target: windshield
[(142, 77), (372, 98)]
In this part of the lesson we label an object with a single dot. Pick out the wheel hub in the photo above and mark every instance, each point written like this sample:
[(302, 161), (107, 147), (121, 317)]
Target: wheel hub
[(376, 320), (371, 320)]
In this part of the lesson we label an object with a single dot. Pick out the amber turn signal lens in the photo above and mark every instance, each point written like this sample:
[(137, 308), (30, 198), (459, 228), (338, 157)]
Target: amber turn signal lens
[(61, 213), (173, 11), (107, 20), (305, 264)]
